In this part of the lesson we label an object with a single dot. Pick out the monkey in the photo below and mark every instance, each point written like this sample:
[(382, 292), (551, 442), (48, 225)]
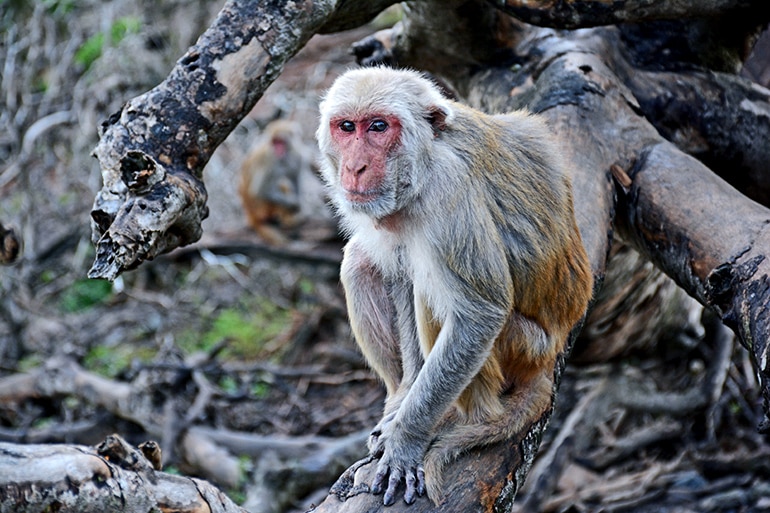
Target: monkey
[(464, 271), (270, 180), (10, 245)]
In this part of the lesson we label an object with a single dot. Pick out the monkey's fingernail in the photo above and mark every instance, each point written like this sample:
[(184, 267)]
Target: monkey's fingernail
[(389, 498), (379, 478), (409, 495)]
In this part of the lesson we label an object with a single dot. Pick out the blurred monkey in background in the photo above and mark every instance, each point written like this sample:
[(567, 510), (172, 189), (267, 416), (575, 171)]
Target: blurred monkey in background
[(271, 178)]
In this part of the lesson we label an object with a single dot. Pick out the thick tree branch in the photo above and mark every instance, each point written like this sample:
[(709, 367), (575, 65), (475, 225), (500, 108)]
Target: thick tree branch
[(674, 212), (153, 151), (572, 14), (715, 117)]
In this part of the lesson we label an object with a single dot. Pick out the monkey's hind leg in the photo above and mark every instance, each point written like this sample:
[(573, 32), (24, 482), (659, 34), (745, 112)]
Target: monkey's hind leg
[(459, 432)]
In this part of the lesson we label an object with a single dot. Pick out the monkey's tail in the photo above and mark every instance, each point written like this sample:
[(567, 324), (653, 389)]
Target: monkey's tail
[(524, 405)]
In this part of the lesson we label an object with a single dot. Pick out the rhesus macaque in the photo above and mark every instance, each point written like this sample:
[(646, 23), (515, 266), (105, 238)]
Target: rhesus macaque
[(464, 272), (10, 245), (270, 180)]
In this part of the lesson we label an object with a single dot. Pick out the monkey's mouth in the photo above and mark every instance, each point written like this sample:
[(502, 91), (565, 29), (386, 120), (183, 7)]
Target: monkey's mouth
[(362, 196)]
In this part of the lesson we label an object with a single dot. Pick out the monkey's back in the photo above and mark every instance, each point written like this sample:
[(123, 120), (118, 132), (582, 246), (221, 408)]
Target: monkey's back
[(529, 199)]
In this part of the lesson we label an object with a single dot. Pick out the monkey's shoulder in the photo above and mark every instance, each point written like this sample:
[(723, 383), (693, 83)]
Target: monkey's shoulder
[(519, 120), (517, 136)]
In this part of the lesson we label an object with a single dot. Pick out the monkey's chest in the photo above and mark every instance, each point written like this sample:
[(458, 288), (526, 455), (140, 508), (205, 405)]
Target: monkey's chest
[(433, 294)]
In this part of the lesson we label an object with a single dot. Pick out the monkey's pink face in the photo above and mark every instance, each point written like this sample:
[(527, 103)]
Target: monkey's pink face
[(364, 145)]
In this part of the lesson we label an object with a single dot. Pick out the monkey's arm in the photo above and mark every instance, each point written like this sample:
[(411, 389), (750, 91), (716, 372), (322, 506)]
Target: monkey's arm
[(461, 349), (401, 292), (372, 314), (382, 316)]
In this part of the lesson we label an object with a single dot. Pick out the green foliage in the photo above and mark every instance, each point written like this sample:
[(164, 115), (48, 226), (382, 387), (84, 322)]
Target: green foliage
[(59, 8), (30, 362), (388, 17), (246, 329), (110, 361), (92, 48), (228, 384), (84, 294), (237, 496), (171, 469), (260, 389), (124, 26)]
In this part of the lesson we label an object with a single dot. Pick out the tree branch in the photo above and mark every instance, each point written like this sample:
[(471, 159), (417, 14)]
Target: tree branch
[(572, 14), (674, 212), (153, 151), (715, 117), (112, 477)]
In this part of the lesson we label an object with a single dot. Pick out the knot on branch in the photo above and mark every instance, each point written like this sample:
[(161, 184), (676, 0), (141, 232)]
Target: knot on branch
[(140, 172), (719, 286), (119, 452), (346, 487), (724, 280)]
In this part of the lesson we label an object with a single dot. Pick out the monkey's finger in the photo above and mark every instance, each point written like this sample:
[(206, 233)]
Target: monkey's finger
[(390, 494), (411, 488), (420, 481), (379, 479)]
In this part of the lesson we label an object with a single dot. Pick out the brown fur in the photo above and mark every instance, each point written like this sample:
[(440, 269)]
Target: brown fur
[(269, 182)]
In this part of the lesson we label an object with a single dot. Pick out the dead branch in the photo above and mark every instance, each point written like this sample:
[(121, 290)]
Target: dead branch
[(111, 477), (715, 117), (208, 452), (153, 151), (665, 215)]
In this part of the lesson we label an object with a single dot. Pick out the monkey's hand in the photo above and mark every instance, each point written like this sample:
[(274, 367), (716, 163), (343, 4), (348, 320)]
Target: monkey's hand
[(400, 461)]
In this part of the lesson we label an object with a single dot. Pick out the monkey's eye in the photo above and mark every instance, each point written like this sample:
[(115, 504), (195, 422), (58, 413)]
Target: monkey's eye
[(378, 125), (347, 126)]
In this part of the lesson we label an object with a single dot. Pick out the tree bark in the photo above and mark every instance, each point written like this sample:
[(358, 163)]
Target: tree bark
[(572, 14), (111, 477)]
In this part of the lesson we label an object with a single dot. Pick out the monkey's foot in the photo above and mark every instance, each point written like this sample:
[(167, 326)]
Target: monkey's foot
[(412, 474)]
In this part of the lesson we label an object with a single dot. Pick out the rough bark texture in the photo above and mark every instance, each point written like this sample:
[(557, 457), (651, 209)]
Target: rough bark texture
[(672, 211), (573, 14), (111, 477)]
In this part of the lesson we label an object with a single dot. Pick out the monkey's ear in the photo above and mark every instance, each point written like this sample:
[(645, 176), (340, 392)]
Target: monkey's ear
[(438, 117)]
